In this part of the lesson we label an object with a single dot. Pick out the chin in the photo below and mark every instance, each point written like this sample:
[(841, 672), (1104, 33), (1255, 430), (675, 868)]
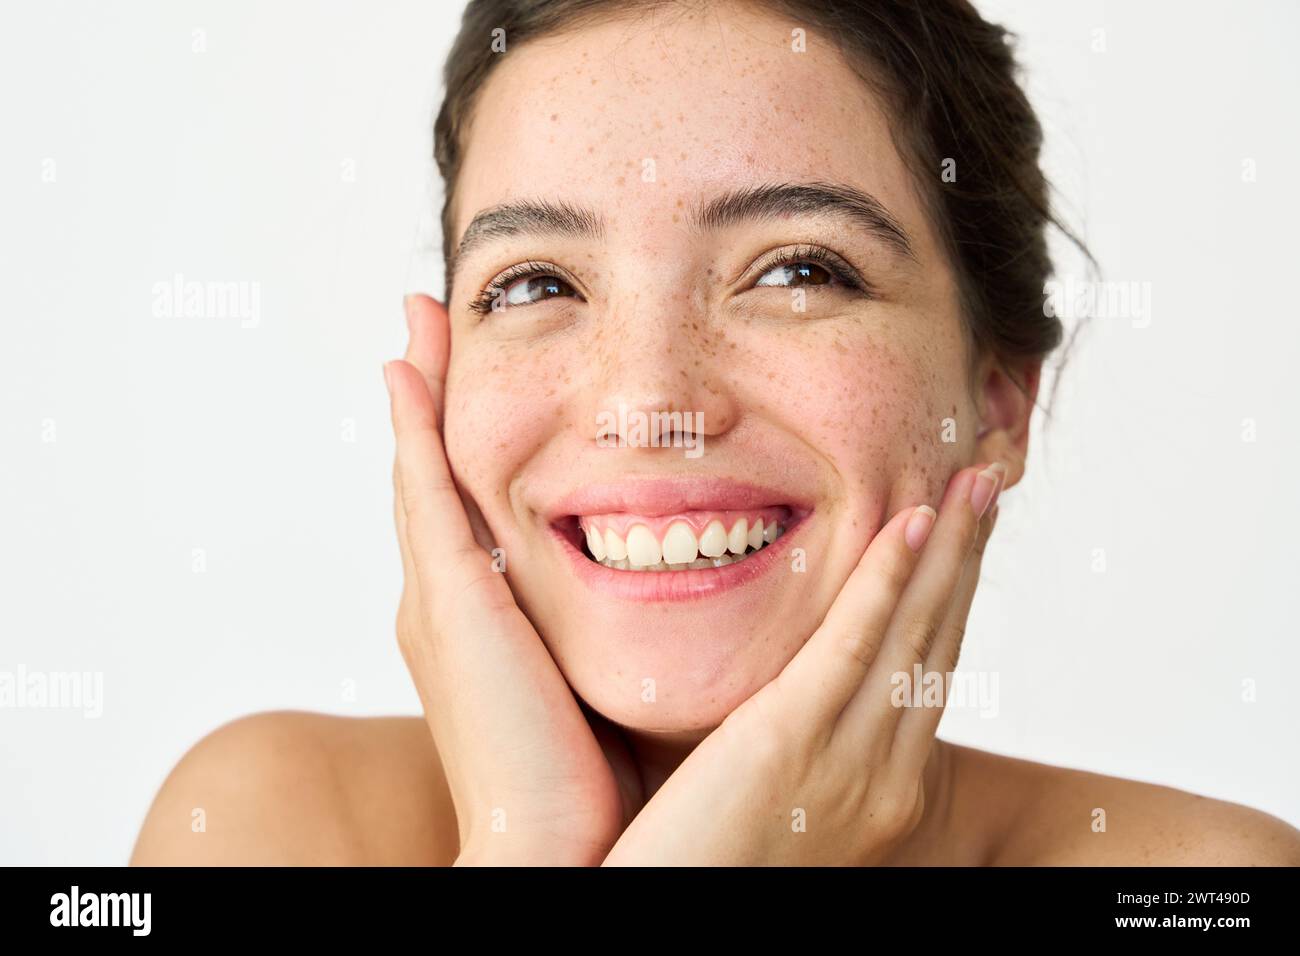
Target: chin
[(667, 603), (656, 691), (667, 669)]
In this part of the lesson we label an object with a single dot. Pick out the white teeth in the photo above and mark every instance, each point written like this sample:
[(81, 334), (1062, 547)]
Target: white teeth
[(714, 540), (738, 540), (614, 546), (643, 548), (596, 544), (679, 544), (680, 550)]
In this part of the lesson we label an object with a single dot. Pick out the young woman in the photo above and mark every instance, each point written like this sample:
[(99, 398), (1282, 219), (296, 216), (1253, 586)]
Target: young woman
[(741, 338)]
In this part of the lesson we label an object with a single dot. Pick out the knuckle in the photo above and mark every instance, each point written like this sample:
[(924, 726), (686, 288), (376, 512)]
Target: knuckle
[(896, 567), (952, 653), (861, 646), (918, 637)]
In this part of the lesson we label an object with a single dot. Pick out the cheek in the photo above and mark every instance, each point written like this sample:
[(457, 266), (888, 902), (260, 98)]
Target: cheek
[(874, 403), (499, 402)]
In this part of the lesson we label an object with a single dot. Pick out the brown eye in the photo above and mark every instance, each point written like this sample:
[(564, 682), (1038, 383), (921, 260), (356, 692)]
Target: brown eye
[(535, 289), (796, 274)]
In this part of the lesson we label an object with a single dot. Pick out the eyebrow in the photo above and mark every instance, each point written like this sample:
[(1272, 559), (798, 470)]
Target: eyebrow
[(767, 201)]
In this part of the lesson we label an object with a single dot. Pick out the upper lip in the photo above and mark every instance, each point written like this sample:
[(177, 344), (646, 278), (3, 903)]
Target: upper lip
[(655, 497)]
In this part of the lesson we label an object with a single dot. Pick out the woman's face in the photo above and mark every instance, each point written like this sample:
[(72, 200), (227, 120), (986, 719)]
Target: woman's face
[(811, 335)]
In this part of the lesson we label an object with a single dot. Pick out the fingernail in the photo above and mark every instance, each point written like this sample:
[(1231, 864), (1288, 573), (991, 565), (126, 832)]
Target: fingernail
[(985, 488), (406, 311), (918, 527), (388, 378), (1002, 480)]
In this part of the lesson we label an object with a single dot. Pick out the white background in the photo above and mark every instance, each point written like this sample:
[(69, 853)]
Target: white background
[(175, 434)]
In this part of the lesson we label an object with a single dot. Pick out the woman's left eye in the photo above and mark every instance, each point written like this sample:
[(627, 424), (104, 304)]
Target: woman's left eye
[(806, 265), (796, 274)]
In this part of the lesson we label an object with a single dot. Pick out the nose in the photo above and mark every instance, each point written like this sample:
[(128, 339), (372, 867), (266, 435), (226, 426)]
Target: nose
[(658, 378)]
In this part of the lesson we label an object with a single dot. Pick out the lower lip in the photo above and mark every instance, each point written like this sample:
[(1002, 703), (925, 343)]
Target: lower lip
[(666, 586)]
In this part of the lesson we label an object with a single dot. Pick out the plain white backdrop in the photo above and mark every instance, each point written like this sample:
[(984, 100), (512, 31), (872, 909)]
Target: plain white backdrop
[(198, 509)]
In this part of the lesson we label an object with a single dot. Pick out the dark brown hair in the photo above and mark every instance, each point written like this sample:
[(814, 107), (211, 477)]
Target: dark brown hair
[(950, 80)]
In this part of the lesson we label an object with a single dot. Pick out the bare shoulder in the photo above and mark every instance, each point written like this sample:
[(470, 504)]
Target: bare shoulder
[(297, 788), (1055, 816)]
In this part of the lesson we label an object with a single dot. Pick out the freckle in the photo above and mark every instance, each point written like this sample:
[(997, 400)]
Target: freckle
[(621, 180), (554, 117)]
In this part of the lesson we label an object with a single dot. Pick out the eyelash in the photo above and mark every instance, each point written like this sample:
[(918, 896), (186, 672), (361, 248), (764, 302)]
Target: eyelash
[(838, 269), (482, 303)]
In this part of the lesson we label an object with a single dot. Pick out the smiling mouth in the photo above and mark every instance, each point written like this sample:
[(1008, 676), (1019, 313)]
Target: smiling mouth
[(689, 541)]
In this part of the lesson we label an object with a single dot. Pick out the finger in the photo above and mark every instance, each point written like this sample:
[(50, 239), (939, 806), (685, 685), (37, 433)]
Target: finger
[(829, 668), (409, 575), (428, 346), (918, 724), (947, 647), (429, 349), (924, 604), (437, 530)]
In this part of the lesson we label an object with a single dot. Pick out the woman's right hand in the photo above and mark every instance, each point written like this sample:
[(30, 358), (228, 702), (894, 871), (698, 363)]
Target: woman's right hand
[(530, 780)]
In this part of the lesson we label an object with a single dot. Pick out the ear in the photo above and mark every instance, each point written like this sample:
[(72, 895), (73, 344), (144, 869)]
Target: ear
[(1005, 408)]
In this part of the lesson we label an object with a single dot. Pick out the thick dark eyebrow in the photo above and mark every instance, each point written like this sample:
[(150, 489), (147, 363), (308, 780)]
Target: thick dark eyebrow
[(535, 217), (793, 199), (527, 217)]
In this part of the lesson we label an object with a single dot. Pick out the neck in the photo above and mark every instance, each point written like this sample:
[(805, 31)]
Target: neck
[(657, 755)]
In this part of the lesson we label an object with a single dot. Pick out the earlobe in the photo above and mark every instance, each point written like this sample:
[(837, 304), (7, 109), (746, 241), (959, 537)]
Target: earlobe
[(1006, 406)]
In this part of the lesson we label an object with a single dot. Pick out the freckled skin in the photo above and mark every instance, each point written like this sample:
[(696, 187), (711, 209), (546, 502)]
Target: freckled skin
[(838, 402)]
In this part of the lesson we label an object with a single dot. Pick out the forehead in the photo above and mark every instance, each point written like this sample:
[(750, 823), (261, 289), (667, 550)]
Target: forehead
[(637, 115)]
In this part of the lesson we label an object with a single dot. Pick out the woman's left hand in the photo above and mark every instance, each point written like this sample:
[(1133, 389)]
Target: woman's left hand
[(820, 766)]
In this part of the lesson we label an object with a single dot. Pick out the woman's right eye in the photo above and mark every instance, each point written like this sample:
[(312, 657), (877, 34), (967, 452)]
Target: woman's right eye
[(508, 292), (536, 288)]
